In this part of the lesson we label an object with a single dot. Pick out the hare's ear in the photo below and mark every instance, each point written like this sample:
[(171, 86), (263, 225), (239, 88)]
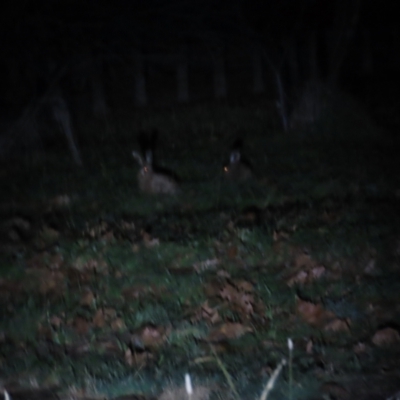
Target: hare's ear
[(137, 157), (235, 157), (149, 157)]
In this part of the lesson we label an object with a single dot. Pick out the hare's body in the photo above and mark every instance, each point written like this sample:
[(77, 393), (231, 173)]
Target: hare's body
[(153, 182), (237, 170)]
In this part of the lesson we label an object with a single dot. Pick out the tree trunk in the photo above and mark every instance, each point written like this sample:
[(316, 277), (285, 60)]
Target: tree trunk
[(182, 77), (367, 63), (220, 90), (99, 105), (63, 117), (140, 81), (313, 57), (340, 36), (258, 79)]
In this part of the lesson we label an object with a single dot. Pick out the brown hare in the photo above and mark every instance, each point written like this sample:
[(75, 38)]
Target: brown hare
[(237, 170), (153, 182)]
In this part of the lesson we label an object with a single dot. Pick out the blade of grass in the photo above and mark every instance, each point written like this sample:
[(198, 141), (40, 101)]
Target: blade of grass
[(271, 382), (226, 373)]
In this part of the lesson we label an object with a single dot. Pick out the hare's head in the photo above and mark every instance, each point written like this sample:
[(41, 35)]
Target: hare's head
[(150, 181), (146, 165), (237, 170)]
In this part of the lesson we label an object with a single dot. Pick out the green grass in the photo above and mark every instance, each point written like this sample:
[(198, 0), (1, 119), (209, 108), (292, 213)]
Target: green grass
[(328, 190)]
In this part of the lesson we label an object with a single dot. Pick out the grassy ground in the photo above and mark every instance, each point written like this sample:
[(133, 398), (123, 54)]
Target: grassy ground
[(108, 291)]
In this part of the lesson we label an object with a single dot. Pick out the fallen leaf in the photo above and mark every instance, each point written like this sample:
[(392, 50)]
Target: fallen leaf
[(317, 272), (62, 200), (118, 324), (55, 261), (212, 289), (338, 325), (109, 346), (279, 236), (92, 265), (46, 237), (229, 330), (51, 282), (207, 313), (232, 252), (149, 336), (244, 286), (45, 332), (88, 298), (135, 248), (135, 292), (228, 292), (56, 321), (300, 277), (222, 273), (370, 269), (385, 337), (149, 241), (314, 314), (137, 359), (360, 348), (99, 319), (81, 326), (241, 302), (303, 260)]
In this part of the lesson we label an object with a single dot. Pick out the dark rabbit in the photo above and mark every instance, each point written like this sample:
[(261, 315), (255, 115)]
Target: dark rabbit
[(153, 182), (237, 170)]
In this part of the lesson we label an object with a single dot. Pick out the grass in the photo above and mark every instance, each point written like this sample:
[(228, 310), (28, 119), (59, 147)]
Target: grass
[(119, 292)]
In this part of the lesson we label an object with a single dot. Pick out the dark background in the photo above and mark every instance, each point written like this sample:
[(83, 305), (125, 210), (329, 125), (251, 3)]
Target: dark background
[(99, 56)]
